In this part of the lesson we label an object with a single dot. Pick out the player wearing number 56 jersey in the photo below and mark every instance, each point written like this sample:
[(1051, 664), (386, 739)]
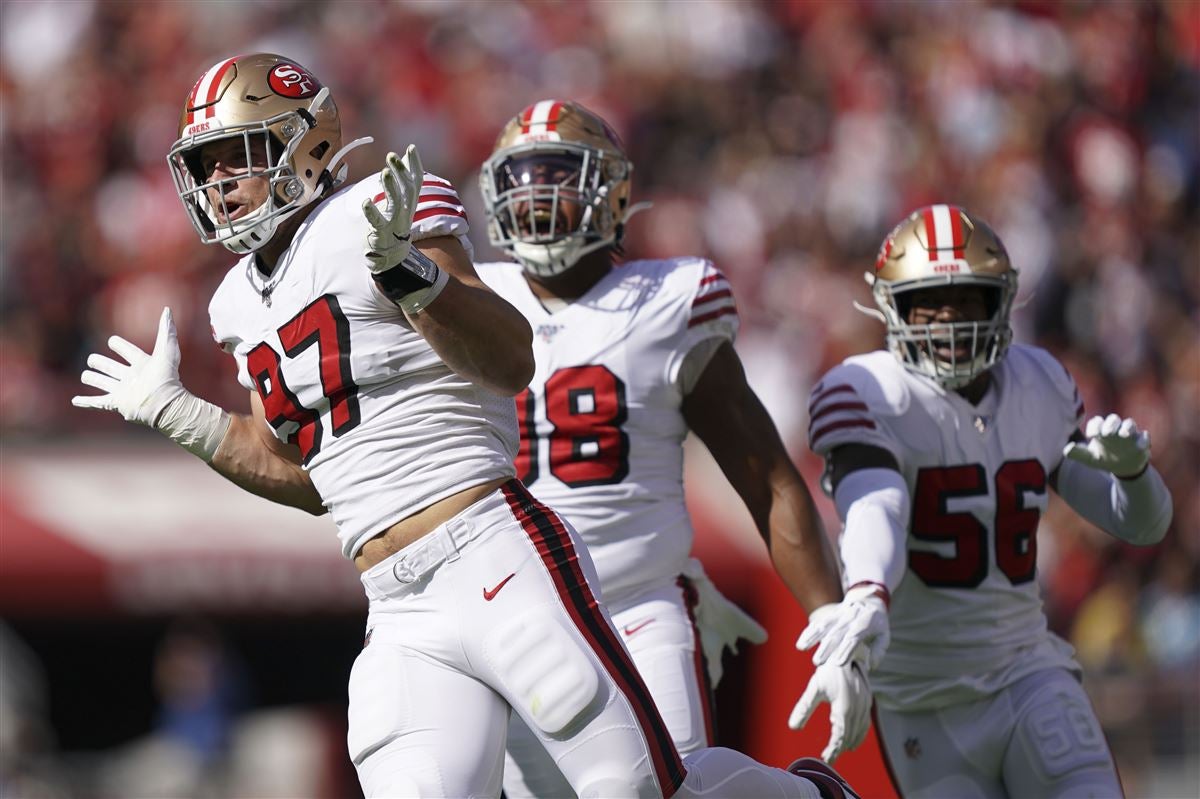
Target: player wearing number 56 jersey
[(941, 453), (630, 356)]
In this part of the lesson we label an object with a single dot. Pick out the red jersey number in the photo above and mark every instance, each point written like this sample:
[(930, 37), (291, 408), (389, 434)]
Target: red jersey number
[(585, 406), (324, 325), (1015, 524)]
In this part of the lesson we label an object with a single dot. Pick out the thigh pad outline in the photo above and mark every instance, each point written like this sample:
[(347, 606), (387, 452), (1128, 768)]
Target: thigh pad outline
[(543, 668)]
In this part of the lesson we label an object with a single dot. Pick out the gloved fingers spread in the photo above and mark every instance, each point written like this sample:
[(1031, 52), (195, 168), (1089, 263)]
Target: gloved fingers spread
[(1092, 428), (1110, 424), (374, 218), (830, 643), (106, 365), (837, 738), (412, 163), (1128, 429), (815, 631), (166, 340), (100, 381), (845, 650), (127, 350), (1080, 453), (807, 703), (100, 402), (391, 187)]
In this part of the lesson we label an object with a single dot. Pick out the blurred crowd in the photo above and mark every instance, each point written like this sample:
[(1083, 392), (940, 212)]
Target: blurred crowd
[(781, 139)]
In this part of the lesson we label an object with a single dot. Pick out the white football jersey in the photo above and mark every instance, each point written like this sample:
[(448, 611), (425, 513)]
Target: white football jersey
[(385, 428), (967, 618), (601, 427)]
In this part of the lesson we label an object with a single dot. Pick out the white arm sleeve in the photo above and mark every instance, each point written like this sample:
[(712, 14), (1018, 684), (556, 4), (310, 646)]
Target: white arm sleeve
[(1138, 511), (874, 505)]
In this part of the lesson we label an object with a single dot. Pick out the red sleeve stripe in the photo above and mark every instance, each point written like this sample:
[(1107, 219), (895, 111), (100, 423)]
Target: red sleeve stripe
[(434, 180), (716, 295), (426, 213), (713, 278), (438, 191), (431, 201), (833, 407), (728, 310), (839, 425), (426, 200), (829, 392)]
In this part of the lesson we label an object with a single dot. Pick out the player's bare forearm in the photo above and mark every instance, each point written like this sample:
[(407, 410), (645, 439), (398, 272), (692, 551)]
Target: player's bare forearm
[(245, 459), (729, 418), (800, 551), (477, 333)]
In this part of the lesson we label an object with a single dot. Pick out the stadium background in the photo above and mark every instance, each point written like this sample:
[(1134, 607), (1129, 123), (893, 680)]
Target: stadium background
[(164, 635)]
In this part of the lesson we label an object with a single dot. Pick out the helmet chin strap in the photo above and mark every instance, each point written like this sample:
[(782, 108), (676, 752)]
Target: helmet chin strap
[(874, 313), (342, 169)]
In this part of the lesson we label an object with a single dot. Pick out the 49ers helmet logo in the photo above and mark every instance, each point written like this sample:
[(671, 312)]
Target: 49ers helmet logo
[(292, 80)]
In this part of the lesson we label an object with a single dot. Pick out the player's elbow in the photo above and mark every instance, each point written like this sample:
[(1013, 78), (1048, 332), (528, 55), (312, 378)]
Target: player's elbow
[(510, 375), (1153, 531)]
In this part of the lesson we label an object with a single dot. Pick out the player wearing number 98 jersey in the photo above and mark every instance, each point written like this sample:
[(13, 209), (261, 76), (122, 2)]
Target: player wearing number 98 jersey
[(940, 455), (629, 357)]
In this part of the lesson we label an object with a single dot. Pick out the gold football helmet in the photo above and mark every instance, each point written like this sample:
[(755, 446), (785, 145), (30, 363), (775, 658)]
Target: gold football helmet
[(554, 152), (260, 95), (943, 245)]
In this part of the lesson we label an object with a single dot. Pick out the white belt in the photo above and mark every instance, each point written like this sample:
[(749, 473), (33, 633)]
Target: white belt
[(395, 575)]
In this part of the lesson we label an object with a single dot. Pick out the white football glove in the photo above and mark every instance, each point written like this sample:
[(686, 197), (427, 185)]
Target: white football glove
[(142, 387), (722, 623), (1113, 444), (404, 274), (859, 620), (146, 390), (389, 241), (848, 693)]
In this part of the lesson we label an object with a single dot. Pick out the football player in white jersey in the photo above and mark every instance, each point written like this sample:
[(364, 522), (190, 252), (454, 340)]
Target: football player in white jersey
[(630, 357), (381, 386), (940, 452)]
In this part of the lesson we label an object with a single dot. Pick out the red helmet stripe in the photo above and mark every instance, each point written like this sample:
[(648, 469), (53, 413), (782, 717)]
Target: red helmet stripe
[(215, 86), (206, 88), (552, 117), (930, 232), (526, 115), (956, 232)]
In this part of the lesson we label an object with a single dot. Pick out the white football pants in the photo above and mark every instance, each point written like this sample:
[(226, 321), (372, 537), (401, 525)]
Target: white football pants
[(1037, 737), (659, 630), (493, 611)]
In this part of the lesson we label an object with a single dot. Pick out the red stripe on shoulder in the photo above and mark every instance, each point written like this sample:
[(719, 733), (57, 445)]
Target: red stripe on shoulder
[(834, 407), (716, 295), (708, 317), (840, 425), (843, 388)]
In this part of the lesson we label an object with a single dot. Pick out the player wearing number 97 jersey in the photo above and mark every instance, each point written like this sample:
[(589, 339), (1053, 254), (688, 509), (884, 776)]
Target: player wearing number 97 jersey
[(941, 453), (629, 357)]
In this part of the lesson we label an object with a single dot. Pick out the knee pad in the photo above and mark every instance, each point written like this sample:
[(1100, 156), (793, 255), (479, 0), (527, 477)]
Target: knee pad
[(543, 668)]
